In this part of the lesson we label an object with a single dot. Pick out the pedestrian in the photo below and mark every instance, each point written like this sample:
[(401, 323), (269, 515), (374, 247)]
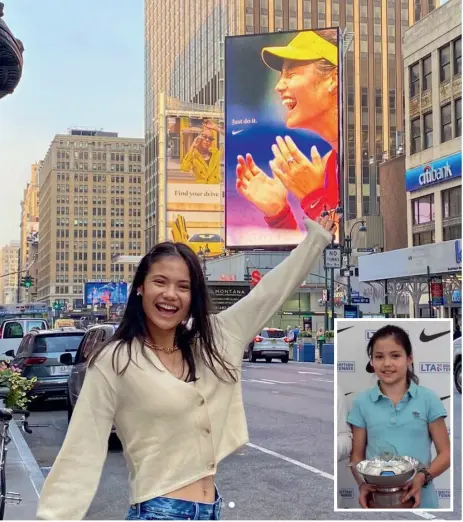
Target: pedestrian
[(457, 332), (172, 393), (296, 332), (420, 415)]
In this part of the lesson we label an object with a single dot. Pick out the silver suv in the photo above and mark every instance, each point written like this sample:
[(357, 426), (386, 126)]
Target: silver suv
[(271, 343), (94, 336), (39, 355)]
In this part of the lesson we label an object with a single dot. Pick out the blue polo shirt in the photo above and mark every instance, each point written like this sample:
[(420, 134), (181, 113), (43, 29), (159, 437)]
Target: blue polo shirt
[(403, 427)]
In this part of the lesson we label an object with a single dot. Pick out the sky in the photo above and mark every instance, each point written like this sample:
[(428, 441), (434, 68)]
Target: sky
[(83, 67)]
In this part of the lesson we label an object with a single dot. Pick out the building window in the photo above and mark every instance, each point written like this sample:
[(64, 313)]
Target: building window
[(423, 209), (352, 174), (457, 56), (444, 60), (427, 73), (414, 79), (446, 122), (366, 205), (427, 119), (352, 210), (366, 174), (451, 203), (458, 117), (423, 238), (416, 135), (452, 232)]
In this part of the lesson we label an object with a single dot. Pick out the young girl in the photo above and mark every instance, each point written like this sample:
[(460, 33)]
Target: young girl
[(169, 381), (399, 414)]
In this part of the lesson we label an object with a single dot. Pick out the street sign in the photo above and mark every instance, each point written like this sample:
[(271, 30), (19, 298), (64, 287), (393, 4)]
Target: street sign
[(354, 293), (351, 311), (353, 272), (437, 291), (333, 258), (256, 276), (386, 309), (360, 300), (367, 250)]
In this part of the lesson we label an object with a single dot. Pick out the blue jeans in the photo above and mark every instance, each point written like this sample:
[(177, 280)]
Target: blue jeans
[(165, 508)]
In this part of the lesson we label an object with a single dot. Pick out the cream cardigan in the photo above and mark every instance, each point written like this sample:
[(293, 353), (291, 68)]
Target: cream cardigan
[(173, 433)]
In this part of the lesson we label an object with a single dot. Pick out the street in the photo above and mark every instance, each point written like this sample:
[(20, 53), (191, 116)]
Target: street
[(287, 470)]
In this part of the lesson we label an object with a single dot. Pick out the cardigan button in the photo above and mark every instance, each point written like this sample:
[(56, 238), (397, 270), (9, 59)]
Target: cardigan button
[(201, 402)]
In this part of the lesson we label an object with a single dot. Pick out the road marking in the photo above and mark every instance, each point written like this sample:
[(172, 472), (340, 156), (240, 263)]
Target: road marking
[(291, 461), (277, 382), (256, 380), (323, 380), (312, 373), (421, 514)]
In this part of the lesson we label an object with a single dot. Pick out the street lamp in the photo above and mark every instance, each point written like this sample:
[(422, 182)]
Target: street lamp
[(348, 251)]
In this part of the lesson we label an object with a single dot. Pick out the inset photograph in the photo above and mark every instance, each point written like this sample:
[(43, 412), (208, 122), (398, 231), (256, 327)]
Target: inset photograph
[(394, 390)]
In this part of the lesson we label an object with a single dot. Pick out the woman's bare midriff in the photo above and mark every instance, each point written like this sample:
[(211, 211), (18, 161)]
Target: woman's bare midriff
[(202, 490)]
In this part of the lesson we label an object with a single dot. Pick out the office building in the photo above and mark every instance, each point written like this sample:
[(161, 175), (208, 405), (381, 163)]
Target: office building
[(9, 262), (92, 209), (183, 60), (29, 226), (432, 73), (432, 61)]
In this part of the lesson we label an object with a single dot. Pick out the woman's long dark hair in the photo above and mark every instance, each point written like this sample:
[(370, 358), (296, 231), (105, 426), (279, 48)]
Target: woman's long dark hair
[(198, 336), (402, 338)]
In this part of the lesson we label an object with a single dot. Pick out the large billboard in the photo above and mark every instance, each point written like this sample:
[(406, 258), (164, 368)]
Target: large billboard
[(282, 126), (194, 183), (106, 293)]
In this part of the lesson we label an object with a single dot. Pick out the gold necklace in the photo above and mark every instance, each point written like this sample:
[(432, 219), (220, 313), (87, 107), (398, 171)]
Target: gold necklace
[(157, 347)]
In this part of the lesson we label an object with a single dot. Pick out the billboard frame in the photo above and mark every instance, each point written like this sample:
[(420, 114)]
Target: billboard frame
[(341, 181), (163, 114)]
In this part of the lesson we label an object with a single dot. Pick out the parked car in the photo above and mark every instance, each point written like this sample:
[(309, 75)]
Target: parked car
[(39, 355), (94, 336), (457, 363), (13, 330), (271, 343)]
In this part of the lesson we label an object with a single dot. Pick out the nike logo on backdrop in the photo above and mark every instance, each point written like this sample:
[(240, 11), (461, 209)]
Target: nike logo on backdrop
[(235, 132), (424, 338), (313, 205), (344, 329)]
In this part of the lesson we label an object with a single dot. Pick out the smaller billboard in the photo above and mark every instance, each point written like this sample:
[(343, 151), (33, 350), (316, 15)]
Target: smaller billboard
[(433, 173), (104, 293)]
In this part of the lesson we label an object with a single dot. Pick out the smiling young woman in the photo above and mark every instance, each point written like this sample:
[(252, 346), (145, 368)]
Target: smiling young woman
[(169, 381)]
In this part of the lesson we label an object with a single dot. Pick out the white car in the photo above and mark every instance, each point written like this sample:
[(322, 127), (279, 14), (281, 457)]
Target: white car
[(457, 363), (271, 343)]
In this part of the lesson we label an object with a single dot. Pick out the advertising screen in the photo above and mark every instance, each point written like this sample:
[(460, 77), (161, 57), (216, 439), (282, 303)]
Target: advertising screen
[(282, 135), (101, 294), (194, 188)]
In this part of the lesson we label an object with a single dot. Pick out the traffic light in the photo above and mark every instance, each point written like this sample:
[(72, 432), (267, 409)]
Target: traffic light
[(29, 281), (56, 305)]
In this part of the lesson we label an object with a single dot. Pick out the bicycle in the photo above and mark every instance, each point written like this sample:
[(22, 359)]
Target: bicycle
[(6, 415)]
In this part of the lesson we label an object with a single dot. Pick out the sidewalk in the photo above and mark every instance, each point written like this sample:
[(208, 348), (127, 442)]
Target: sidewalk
[(23, 476)]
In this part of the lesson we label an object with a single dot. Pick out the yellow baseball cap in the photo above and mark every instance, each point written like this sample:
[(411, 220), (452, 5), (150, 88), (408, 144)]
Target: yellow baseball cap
[(307, 45)]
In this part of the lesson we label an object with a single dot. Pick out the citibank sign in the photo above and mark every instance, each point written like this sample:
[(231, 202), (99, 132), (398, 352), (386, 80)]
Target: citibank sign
[(433, 173)]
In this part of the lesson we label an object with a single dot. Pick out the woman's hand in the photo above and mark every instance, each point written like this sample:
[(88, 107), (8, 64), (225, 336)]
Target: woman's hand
[(413, 489), (267, 194), (364, 493), (327, 223), (297, 173)]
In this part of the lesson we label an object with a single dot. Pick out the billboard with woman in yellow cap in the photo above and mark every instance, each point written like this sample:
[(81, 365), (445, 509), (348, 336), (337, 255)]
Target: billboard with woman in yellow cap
[(282, 135)]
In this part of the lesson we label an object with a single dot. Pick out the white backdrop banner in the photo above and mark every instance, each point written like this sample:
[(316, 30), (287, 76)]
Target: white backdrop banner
[(433, 365)]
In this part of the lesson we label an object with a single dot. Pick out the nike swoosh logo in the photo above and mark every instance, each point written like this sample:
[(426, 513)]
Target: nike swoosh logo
[(313, 205), (424, 338), (235, 132), (344, 329)]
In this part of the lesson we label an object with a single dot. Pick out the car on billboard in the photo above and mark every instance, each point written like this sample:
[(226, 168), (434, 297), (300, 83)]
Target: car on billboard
[(457, 363), (210, 244), (270, 343)]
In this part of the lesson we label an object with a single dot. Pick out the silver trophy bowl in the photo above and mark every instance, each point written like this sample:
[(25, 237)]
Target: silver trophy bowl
[(389, 476)]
